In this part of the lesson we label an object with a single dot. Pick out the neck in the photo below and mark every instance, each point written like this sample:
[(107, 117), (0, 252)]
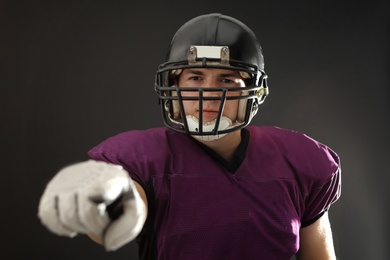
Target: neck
[(225, 146)]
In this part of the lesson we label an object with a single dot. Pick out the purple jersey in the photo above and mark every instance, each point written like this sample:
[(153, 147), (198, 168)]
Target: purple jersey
[(200, 210)]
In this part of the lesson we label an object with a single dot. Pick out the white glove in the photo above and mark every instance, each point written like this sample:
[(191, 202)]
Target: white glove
[(93, 197)]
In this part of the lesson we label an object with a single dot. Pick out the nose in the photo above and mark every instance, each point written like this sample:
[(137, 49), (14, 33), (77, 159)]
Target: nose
[(210, 89)]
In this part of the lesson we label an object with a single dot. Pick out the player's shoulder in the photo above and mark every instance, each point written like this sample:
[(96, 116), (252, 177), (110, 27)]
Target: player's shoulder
[(134, 140), (302, 152), (285, 138), (275, 131)]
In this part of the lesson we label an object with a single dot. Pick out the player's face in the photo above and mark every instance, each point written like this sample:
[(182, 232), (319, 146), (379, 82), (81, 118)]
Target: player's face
[(210, 78)]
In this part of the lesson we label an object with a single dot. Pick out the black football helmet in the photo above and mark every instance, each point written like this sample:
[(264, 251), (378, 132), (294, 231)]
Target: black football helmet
[(212, 41)]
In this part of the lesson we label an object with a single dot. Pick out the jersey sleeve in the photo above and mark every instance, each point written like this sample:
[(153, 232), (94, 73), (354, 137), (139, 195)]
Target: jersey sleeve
[(320, 199), (325, 187), (128, 150), (102, 152), (143, 153)]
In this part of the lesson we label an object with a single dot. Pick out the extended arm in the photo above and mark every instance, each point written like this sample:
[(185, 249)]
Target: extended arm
[(316, 241)]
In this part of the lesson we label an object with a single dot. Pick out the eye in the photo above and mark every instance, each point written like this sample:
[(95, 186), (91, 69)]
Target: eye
[(227, 81), (194, 78)]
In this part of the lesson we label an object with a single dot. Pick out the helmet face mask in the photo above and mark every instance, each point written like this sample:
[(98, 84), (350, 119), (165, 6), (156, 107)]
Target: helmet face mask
[(211, 41)]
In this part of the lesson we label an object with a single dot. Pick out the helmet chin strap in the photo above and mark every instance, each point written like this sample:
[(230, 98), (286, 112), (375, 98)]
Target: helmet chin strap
[(193, 126)]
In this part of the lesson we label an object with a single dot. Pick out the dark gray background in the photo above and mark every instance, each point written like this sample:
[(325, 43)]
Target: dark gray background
[(76, 72)]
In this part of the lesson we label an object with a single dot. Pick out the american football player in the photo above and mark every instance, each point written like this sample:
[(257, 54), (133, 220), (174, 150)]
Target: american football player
[(207, 185)]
